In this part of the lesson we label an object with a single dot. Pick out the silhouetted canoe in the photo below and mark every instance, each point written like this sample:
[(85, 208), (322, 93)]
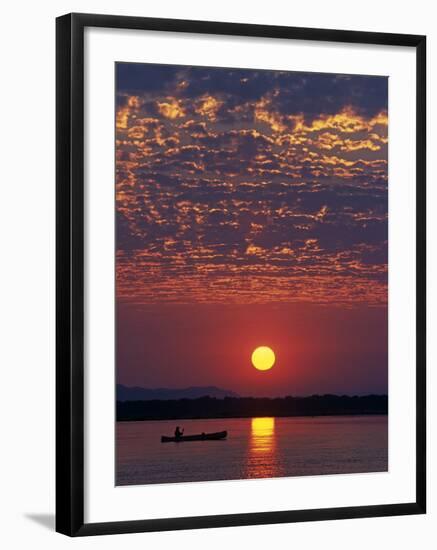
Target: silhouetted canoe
[(196, 437)]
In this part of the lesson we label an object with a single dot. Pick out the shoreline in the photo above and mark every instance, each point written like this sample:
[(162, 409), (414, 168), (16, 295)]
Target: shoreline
[(335, 415), (242, 407)]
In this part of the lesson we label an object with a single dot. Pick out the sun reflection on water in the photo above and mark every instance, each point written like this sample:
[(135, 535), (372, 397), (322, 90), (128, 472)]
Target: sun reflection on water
[(263, 430), (262, 459)]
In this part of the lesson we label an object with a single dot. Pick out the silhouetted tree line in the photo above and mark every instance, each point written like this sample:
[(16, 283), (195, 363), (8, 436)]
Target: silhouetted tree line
[(243, 407)]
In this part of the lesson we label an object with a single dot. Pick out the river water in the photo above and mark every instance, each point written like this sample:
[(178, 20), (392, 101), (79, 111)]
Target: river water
[(255, 448)]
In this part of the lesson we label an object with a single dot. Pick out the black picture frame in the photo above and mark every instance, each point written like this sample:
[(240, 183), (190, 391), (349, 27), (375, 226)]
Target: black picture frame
[(70, 273)]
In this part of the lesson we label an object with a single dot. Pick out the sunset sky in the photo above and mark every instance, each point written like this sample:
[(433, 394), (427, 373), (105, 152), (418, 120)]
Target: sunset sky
[(251, 209)]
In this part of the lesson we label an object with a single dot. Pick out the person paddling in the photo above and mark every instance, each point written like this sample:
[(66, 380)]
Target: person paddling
[(178, 432)]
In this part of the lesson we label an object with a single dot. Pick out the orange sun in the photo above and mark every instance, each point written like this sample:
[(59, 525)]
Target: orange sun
[(263, 358)]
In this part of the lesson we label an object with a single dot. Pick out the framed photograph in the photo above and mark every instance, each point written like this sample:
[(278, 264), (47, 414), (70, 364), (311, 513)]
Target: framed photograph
[(240, 274)]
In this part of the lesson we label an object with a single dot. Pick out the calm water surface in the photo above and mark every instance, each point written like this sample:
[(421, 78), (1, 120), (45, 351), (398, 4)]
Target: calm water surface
[(255, 448)]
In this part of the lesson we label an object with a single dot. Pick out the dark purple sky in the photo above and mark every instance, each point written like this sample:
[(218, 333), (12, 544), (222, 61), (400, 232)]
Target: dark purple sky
[(251, 210)]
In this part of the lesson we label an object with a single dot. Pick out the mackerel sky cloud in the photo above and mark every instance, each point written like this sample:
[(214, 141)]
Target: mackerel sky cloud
[(238, 186)]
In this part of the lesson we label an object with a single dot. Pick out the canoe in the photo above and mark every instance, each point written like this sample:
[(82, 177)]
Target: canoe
[(195, 437)]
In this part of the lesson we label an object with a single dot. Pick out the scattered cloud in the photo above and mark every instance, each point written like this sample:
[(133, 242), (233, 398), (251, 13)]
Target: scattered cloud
[(238, 186)]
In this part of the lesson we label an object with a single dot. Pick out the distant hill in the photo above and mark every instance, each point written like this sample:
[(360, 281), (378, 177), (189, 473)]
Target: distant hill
[(126, 393)]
